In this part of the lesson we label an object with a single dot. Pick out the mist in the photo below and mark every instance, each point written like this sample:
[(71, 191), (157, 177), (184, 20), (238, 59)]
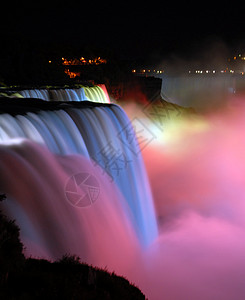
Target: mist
[(204, 76), (195, 164), (196, 170)]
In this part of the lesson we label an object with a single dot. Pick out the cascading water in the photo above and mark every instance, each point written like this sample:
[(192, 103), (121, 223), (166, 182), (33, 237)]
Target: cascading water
[(99, 134), (35, 93), (93, 93), (75, 184), (201, 92)]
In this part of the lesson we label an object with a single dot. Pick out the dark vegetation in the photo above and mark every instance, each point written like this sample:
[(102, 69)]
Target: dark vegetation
[(22, 278)]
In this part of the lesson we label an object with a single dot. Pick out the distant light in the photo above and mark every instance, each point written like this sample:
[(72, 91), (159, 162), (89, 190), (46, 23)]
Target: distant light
[(133, 71), (234, 57), (49, 61), (72, 74), (214, 71)]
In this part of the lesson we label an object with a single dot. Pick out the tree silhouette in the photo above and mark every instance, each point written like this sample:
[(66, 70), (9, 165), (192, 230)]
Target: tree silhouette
[(11, 256), (66, 278)]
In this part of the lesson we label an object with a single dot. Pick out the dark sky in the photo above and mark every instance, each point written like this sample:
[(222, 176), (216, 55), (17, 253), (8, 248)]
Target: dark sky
[(135, 30)]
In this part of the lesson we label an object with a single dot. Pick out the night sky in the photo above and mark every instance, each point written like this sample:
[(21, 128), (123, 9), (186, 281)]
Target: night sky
[(148, 30)]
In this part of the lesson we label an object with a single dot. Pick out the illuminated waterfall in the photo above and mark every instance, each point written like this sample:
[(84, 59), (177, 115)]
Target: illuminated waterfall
[(51, 151), (97, 133), (200, 92), (35, 93), (93, 93)]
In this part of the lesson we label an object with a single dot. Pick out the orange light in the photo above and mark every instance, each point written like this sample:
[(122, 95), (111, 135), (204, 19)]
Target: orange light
[(72, 74), (81, 61)]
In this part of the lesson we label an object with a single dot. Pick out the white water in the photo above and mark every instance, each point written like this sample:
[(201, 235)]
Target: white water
[(201, 92), (99, 135), (196, 172), (95, 94)]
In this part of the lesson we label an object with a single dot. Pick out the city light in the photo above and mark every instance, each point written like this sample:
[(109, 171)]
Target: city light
[(234, 65), (82, 61), (147, 72), (72, 74)]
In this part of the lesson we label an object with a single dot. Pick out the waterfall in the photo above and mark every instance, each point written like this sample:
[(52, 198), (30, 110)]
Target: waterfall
[(76, 183), (96, 93), (95, 133), (35, 93), (201, 92)]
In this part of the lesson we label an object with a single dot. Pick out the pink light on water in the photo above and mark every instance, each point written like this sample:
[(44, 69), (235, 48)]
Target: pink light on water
[(198, 186), (197, 178)]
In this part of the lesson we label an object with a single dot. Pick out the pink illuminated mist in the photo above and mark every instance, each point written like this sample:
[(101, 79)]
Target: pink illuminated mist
[(187, 242)]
